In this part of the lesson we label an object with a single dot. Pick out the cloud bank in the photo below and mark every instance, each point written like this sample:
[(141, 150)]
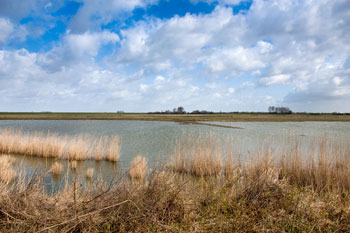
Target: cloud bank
[(102, 56)]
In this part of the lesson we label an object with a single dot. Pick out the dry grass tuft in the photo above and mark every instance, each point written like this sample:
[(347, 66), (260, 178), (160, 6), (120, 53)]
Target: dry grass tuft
[(197, 157), (7, 173), (138, 168), (56, 168), (73, 164), (89, 173), (112, 152), (100, 148), (78, 148), (229, 167)]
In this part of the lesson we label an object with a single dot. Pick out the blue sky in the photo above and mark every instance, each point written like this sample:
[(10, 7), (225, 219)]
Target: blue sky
[(150, 55)]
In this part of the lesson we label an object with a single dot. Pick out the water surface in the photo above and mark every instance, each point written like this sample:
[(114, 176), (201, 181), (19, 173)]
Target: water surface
[(157, 140)]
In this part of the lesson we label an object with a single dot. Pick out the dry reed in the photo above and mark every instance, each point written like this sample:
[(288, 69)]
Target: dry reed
[(112, 152), (52, 145), (89, 173), (100, 148), (73, 164), (78, 149), (229, 167), (56, 168), (7, 173), (324, 167), (304, 191), (138, 168), (197, 157)]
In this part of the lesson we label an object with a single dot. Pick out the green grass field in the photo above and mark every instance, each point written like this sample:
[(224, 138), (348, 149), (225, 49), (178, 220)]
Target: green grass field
[(224, 117)]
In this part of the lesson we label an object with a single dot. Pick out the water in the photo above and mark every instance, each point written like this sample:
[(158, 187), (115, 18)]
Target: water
[(157, 140)]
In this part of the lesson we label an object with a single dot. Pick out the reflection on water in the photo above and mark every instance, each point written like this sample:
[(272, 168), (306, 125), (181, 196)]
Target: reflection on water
[(157, 141), (28, 166)]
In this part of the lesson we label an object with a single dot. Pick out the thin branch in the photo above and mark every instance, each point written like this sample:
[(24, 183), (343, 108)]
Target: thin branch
[(84, 215)]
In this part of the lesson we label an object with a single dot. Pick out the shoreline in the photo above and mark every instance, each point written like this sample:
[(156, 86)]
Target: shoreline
[(181, 118)]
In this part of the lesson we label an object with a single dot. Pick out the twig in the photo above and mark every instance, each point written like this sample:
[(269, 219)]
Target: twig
[(84, 215), (10, 216)]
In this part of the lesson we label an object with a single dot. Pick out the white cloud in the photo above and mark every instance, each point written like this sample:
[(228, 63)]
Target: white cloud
[(93, 13), (6, 28), (9, 31), (275, 79), (179, 39), (159, 78), (89, 42), (231, 90), (287, 52), (224, 2), (239, 58), (76, 49)]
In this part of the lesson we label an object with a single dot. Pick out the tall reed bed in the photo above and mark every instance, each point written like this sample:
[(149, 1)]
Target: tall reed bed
[(52, 145), (321, 163), (326, 165), (198, 156)]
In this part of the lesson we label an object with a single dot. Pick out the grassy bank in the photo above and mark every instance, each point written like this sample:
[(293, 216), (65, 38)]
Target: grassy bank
[(202, 189), (228, 117)]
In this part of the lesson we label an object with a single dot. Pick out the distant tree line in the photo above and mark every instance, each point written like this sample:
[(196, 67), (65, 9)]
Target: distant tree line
[(279, 110), (178, 110), (271, 110), (181, 110)]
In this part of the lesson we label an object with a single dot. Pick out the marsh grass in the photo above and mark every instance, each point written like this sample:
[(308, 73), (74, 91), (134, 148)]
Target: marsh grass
[(229, 166), (287, 190), (56, 168), (52, 145), (7, 172), (266, 194), (101, 145), (113, 148), (73, 164), (138, 168), (89, 173), (197, 156), (325, 167)]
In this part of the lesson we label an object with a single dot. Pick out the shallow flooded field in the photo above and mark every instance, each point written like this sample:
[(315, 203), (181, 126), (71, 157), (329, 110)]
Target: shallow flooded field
[(159, 141)]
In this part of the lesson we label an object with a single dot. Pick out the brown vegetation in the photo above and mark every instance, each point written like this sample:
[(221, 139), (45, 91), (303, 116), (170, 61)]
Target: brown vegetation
[(89, 173), (113, 148), (56, 168), (198, 157), (302, 191), (52, 145), (7, 173), (73, 164), (138, 168)]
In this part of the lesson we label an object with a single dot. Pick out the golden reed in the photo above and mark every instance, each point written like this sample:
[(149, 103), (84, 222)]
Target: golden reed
[(7, 173), (52, 145), (138, 168)]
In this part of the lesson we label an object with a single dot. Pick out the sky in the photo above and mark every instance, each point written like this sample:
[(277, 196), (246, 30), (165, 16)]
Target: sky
[(153, 55)]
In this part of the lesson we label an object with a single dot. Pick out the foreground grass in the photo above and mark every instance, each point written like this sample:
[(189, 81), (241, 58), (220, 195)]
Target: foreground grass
[(197, 192), (186, 118), (167, 202)]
